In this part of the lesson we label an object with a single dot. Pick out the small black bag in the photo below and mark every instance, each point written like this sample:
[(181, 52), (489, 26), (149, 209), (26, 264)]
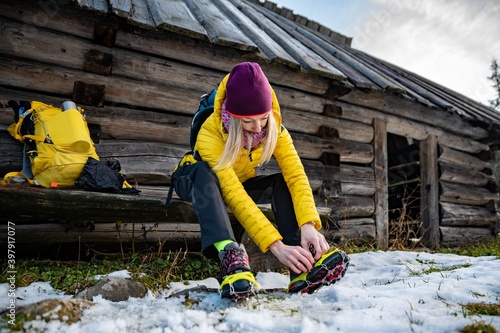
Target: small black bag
[(98, 176)]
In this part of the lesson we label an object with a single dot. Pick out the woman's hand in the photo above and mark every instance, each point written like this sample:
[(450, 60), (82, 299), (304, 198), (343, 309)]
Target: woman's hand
[(296, 257), (313, 241)]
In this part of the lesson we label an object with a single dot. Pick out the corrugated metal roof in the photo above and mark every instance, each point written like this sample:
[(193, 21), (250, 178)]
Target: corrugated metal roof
[(280, 36)]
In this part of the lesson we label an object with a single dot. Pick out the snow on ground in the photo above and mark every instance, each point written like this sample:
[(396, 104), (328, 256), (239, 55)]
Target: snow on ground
[(381, 292)]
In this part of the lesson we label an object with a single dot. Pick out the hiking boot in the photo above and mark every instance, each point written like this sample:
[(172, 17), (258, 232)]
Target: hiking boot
[(236, 278), (329, 269)]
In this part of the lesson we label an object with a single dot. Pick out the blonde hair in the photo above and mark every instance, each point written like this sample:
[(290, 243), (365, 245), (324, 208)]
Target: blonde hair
[(235, 138)]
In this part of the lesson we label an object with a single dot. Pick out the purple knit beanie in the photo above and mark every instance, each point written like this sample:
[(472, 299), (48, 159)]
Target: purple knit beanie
[(248, 92)]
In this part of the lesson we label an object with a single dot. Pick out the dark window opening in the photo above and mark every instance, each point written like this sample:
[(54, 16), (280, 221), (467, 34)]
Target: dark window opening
[(404, 191)]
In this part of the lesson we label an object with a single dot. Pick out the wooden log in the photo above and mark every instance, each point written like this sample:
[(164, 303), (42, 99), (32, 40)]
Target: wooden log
[(28, 75), (452, 156), (354, 180), (407, 109), (461, 215), (309, 123), (39, 204), (350, 152), (104, 232), (351, 206), (211, 56), (83, 24), (429, 191), (415, 128), (143, 162), (460, 175), (363, 189), (463, 194), (353, 231), (381, 196), (33, 204), (11, 158), (453, 236), (67, 241), (71, 21)]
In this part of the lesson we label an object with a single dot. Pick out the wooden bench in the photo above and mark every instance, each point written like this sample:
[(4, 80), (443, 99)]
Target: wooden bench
[(46, 219)]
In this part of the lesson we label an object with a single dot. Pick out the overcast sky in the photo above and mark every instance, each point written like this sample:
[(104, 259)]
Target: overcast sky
[(451, 42)]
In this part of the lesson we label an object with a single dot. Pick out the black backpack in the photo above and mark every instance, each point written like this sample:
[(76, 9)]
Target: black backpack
[(205, 109)]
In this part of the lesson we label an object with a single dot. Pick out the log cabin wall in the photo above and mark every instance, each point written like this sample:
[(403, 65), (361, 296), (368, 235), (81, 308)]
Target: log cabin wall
[(139, 83)]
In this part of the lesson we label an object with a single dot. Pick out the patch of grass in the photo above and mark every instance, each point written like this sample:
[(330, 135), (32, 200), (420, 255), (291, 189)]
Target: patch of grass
[(479, 327), (475, 250), (156, 273), (434, 269), (482, 309)]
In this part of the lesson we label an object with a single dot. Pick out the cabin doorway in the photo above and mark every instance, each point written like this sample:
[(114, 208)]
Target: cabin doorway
[(404, 191)]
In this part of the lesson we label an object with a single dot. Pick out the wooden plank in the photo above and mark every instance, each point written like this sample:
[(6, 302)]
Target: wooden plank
[(272, 50), (462, 215), (304, 37), (122, 8), (343, 58), (175, 16), (412, 90), (220, 29), (350, 67), (141, 16), (461, 104), (96, 5), (381, 196), (309, 60), (453, 236), (429, 192)]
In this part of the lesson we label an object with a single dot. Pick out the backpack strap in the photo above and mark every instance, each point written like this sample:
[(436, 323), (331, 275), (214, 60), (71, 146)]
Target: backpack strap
[(15, 129), (169, 196), (15, 177)]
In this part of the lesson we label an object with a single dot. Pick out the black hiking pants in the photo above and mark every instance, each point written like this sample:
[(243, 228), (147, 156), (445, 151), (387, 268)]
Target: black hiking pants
[(198, 184)]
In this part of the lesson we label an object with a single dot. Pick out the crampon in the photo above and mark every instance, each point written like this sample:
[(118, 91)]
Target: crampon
[(330, 268), (238, 286)]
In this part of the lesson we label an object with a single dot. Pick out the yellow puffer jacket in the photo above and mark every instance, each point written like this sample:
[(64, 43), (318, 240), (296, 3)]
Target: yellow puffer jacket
[(210, 144)]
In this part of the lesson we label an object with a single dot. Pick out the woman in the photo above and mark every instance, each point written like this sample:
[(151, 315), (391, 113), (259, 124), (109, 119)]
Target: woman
[(243, 133)]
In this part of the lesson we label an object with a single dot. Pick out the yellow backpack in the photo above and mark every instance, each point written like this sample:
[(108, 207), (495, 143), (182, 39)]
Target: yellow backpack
[(60, 145)]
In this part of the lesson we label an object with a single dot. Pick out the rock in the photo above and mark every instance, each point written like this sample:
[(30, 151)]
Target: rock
[(114, 289), (65, 310)]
